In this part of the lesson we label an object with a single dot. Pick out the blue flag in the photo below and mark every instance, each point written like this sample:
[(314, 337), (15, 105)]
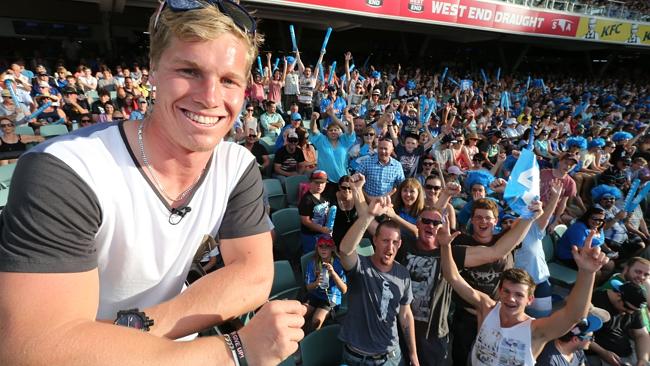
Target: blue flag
[(523, 184)]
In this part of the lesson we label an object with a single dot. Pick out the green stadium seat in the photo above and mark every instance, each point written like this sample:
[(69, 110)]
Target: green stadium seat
[(287, 233), (6, 172), (292, 184), (560, 274), (53, 130), (365, 248), (283, 278), (322, 347), (24, 130), (275, 193)]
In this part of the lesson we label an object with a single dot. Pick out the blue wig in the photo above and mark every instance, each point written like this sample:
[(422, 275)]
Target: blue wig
[(621, 135), (410, 85), (578, 141), (605, 190), (597, 142), (482, 177)]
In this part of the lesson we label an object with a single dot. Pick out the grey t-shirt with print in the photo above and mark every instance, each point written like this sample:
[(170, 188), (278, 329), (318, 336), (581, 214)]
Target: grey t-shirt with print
[(374, 301)]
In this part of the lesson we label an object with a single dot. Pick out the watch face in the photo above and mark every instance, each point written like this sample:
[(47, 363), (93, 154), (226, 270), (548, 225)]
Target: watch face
[(130, 320)]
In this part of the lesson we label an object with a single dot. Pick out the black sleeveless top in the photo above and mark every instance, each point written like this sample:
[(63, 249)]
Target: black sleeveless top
[(8, 147)]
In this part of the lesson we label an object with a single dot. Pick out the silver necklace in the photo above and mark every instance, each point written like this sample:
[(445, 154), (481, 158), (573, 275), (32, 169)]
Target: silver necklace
[(159, 185)]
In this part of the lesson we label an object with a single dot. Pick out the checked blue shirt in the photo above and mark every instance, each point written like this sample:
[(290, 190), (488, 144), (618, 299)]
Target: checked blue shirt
[(380, 178)]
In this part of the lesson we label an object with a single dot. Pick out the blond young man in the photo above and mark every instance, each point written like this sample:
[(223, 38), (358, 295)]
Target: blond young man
[(106, 225)]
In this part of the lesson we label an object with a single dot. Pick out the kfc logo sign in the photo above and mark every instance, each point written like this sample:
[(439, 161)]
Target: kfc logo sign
[(375, 3), (416, 6)]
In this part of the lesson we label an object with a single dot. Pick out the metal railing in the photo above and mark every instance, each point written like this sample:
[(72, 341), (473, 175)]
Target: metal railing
[(608, 8)]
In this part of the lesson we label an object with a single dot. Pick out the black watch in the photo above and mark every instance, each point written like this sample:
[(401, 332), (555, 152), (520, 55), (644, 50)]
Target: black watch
[(133, 318)]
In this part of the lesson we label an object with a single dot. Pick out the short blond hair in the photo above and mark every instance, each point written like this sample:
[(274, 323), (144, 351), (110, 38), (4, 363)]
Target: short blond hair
[(203, 24)]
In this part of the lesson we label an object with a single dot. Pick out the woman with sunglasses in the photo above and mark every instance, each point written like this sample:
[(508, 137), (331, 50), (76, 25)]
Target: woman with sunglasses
[(432, 191), (346, 213), (11, 144), (308, 150), (576, 235), (250, 121), (367, 147)]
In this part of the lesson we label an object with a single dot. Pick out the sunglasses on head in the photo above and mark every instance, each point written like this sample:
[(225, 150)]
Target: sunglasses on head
[(431, 186), (236, 12), (430, 221)]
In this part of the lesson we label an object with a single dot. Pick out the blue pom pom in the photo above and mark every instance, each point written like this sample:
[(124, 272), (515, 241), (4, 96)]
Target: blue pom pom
[(621, 135), (601, 190), (579, 141), (482, 177)]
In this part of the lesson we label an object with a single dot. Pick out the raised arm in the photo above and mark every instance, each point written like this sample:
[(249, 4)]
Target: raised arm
[(348, 248), (450, 271), (478, 255), (313, 125), (348, 57), (316, 68), (557, 187), (589, 261)]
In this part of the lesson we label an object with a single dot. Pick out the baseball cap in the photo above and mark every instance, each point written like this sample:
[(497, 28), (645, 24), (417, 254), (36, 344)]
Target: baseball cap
[(331, 87), (325, 241), (447, 139), (587, 325), (511, 121), (292, 134), (69, 90), (455, 170), (6, 93), (296, 116), (631, 293), (376, 92), (318, 176), (43, 84)]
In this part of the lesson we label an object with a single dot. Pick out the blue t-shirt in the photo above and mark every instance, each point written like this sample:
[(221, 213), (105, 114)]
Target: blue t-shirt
[(333, 294), (333, 160), (576, 235)]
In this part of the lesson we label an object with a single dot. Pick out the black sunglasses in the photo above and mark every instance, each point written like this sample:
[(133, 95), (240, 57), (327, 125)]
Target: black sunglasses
[(598, 220), (293, 140), (252, 135), (427, 164), (85, 121), (6, 125), (347, 188), (430, 221), (236, 12), (431, 186), (368, 134)]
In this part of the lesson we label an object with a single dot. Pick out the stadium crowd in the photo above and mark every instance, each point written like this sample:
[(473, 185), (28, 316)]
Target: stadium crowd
[(420, 161)]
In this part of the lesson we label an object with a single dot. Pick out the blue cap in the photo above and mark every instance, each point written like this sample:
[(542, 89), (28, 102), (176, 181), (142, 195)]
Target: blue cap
[(587, 325), (290, 59), (296, 116), (376, 74)]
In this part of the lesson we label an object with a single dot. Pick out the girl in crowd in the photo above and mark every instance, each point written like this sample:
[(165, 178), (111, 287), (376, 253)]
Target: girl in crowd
[(346, 213), (10, 142), (429, 167), (323, 293), (308, 150), (576, 235), (367, 147), (432, 188)]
